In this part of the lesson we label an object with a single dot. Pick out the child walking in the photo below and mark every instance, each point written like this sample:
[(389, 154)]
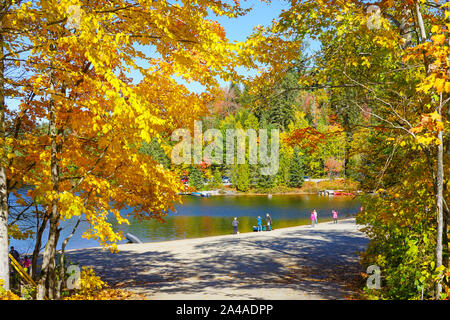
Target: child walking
[(259, 221), (313, 219), (335, 216)]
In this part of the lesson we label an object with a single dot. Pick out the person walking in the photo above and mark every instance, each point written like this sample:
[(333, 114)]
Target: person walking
[(259, 224), (15, 254), (26, 263), (269, 222), (315, 216), (313, 219), (235, 224), (335, 216)]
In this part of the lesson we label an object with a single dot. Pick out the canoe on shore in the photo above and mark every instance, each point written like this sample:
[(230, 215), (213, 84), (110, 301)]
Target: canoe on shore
[(338, 193), (200, 194), (132, 238)]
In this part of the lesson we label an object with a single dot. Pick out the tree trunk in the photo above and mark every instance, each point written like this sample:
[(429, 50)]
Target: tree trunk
[(448, 140), (445, 235), (37, 246), (62, 266), (406, 28), (439, 169), (348, 138), (48, 272), (4, 259), (348, 141), (439, 202), (47, 279), (423, 33)]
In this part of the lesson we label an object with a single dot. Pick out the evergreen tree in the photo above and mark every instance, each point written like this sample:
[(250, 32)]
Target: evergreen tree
[(264, 183), (217, 178), (254, 175), (251, 122), (155, 150), (246, 99), (283, 175), (296, 172), (195, 178), (285, 100), (235, 88), (241, 177)]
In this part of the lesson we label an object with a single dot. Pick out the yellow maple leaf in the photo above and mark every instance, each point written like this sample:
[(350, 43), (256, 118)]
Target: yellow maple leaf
[(438, 39), (435, 116), (447, 87), (439, 85)]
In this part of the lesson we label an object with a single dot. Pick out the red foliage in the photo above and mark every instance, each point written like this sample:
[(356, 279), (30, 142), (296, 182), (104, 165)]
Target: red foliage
[(333, 165), (307, 139)]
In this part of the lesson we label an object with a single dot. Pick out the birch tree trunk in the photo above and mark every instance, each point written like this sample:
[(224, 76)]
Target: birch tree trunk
[(439, 202), (4, 260), (439, 174)]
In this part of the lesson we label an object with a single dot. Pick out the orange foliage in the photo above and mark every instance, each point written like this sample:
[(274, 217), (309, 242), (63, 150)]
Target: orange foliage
[(307, 138)]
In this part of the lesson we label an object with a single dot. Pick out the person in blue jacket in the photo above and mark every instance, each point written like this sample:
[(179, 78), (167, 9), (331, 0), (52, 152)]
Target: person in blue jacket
[(260, 228)]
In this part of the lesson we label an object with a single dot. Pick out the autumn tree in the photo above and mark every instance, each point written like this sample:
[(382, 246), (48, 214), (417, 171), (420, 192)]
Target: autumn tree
[(12, 26), (332, 167), (79, 56), (391, 63), (226, 101)]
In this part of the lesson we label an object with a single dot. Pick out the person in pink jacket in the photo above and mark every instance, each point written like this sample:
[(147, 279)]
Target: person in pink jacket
[(335, 216), (313, 218)]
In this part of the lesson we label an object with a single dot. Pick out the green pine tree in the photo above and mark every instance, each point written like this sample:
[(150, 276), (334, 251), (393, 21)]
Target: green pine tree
[(296, 172), (217, 178), (195, 178), (155, 150), (283, 175), (241, 177), (254, 175), (266, 182)]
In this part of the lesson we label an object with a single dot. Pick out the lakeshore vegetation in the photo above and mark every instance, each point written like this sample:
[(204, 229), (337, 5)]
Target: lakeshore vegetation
[(367, 109)]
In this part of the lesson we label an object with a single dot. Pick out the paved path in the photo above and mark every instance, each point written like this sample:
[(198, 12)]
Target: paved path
[(290, 263)]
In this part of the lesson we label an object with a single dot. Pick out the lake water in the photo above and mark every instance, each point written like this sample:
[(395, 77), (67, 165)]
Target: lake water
[(201, 217)]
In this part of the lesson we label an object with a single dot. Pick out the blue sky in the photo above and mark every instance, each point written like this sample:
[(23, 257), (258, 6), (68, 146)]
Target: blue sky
[(238, 29)]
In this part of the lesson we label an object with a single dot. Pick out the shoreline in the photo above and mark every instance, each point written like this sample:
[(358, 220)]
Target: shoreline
[(311, 186), (267, 194), (211, 237), (236, 193)]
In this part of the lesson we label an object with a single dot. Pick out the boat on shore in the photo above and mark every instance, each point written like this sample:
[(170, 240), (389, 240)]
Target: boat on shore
[(132, 238), (335, 193), (204, 193)]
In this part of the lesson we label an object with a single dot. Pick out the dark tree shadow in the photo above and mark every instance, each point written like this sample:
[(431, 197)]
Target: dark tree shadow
[(316, 262)]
